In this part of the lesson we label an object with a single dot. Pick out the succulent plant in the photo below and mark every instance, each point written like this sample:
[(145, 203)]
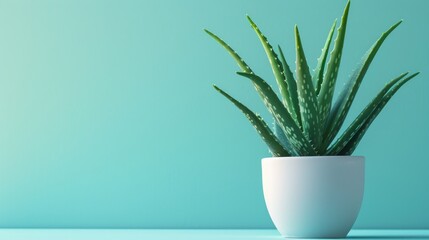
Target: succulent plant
[(306, 121)]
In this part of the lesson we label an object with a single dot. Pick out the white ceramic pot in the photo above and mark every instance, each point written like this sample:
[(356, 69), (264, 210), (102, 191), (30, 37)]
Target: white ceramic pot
[(313, 197)]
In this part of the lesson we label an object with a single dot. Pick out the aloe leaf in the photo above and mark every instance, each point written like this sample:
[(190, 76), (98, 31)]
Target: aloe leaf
[(328, 85), (346, 97), (259, 124), (241, 63), (278, 131), (292, 88), (277, 68), (361, 118), (306, 95), (282, 116), (349, 148), (320, 68)]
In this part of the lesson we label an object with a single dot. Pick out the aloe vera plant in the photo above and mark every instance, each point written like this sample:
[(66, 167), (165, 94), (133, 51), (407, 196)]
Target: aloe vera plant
[(307, 120)]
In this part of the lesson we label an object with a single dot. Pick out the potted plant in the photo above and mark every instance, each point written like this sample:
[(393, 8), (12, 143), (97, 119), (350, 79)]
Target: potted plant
[(312, 185)]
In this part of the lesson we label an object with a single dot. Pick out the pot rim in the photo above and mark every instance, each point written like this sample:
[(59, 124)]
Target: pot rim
[(313, 158)]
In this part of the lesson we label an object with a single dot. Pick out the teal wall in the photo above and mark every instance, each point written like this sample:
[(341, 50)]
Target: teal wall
[(108, 117)]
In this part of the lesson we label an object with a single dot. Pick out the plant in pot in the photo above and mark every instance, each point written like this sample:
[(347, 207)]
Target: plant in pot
[(312, 185)]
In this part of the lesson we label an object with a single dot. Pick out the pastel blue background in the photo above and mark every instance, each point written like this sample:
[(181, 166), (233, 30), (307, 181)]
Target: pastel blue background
[(108, 118)]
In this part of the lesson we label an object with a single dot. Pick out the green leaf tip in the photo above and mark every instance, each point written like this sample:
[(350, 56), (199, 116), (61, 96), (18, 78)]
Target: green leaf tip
[(321, 61), (252, 23), (207, 31), (346, 9), (414, 74), (297, 36), (394, 26)]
